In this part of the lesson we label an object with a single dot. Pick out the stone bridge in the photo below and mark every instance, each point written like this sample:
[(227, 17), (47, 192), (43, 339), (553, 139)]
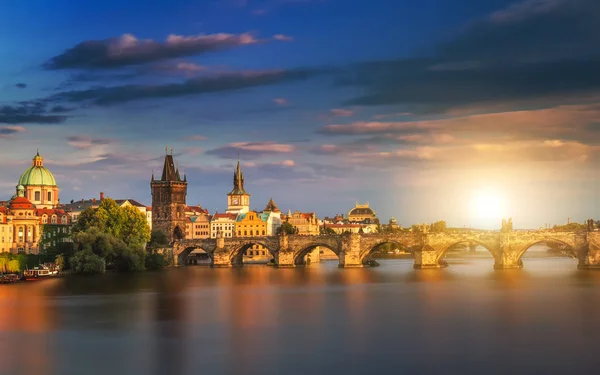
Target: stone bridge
[(355, 250)]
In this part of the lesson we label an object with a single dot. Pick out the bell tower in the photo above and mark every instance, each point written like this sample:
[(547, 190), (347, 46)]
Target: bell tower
[(238, 200), (168, 200)]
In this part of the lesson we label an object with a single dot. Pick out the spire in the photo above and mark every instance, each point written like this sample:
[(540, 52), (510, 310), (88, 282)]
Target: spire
[(152, 174), (170, 173), (238, 180)]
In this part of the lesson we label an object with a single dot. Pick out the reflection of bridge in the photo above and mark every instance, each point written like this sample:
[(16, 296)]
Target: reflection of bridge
[(355, 250)]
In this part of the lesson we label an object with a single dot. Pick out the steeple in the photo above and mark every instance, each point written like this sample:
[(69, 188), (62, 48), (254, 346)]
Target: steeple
[(238, 180), (271, 206), (170, 173)]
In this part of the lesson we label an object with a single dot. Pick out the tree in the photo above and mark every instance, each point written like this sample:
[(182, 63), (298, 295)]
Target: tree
[(286, 228), (155, 261), (571, 227), (86, 262), (127, 224), (326, 230), (158, 238)]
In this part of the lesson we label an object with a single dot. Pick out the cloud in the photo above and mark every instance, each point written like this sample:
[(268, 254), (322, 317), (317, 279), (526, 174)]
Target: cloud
[(83, 142), (560, 121), (280, 101), (106, 96), (341, 112), (9, 131), (283, 38), (21, 85), (187, 69), (518, 154), (28, 113), (128, 50), (536, 51), (196, 137), (251, 150)]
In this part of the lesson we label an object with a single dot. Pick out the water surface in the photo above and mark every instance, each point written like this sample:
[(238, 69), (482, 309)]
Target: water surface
[(391, 319)]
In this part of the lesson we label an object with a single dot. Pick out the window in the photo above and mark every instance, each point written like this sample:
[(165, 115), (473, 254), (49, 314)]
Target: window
[(44, 219), (37, 196), (63, 220), (53, 219), (49, 196)]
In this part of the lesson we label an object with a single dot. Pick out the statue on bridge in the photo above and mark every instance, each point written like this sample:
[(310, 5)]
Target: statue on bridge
[(507, 226), (590, 225)]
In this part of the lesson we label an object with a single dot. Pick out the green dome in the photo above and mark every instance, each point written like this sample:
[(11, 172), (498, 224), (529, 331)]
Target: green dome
[(37, 174)]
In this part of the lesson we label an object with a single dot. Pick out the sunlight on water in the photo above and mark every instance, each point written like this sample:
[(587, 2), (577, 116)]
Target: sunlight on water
[(257, 319)]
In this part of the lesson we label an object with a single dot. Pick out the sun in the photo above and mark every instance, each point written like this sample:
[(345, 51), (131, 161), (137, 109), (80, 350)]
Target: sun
[(487, 205)]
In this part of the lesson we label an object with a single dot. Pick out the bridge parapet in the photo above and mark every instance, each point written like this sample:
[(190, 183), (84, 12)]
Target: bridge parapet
[(354, 249)]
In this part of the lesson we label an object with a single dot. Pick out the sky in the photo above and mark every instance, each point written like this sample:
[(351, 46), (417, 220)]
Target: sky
[(458, 110)]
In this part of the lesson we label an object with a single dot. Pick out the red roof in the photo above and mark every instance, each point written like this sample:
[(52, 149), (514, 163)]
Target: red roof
[(50, 212), (21, 202), (225, 216), (149, 208)]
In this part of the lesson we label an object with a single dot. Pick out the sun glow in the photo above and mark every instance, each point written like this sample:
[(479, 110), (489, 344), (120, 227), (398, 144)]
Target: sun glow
[(487, 205)]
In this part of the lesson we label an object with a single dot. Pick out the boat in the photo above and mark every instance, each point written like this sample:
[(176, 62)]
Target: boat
[(9, 278), (42, 271)]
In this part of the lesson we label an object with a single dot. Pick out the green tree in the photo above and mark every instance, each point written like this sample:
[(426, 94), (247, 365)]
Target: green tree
[(127, 224), (155, 261), (326, 230), (286, 228), (86, 262), (158, 238)]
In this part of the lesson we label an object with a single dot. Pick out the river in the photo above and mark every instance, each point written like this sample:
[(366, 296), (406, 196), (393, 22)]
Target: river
[(467, 319)]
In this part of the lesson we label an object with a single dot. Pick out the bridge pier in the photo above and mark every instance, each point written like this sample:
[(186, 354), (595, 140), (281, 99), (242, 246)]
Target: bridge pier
[(507, 260), (350, 254), (589, 251), (427, 258), (284, 259)]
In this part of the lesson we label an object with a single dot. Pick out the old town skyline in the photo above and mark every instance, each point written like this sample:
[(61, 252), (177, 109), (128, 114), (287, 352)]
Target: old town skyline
[(417, 123)]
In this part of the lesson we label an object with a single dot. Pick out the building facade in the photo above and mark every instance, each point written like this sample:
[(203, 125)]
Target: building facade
[(169, 201), (253, 224), (303, 222), (222, 224)]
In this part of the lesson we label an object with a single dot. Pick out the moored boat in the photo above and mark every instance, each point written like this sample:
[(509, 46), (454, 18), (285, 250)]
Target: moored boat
[(42, 271)]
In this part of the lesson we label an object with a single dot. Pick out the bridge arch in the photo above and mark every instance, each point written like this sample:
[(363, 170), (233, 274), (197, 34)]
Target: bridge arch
[(570, 248), (365, 255), (442, 251), (237, 255), (185, 253), (300, 254)]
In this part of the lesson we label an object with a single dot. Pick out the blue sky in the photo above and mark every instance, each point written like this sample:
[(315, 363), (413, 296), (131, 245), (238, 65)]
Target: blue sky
[(464, 111)]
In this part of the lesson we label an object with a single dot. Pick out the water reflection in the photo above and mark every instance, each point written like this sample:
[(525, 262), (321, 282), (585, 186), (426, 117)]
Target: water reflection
[(256, 319)]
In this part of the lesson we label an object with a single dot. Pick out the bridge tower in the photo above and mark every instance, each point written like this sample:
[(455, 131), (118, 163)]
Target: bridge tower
[(168, 200)]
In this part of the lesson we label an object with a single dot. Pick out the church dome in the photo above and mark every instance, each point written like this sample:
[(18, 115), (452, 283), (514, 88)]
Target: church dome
[(362, 211), (37, 174)]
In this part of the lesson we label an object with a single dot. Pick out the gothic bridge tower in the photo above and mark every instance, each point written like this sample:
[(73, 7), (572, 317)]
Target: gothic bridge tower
[(168, 201)]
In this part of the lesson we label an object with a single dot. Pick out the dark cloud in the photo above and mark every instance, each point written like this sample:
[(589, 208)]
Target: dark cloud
[(28, 113), (128, 50), (21, 85), (106, 96), (542, 50)]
